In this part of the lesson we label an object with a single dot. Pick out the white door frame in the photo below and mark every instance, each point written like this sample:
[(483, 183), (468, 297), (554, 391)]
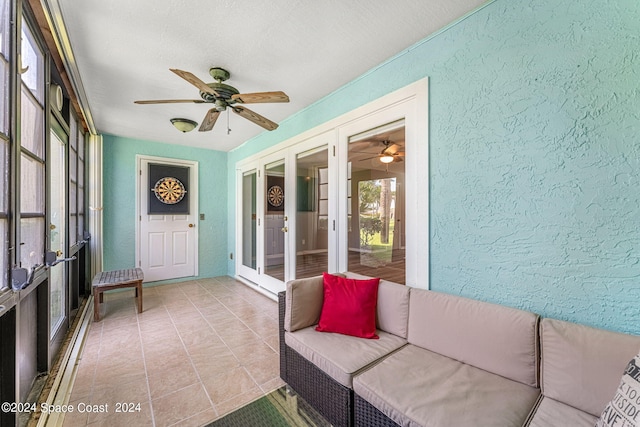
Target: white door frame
[(193, 199), (409, 103)]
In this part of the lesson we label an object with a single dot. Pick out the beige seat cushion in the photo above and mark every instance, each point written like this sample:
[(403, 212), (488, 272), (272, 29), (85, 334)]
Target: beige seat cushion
[(416, 387), (341, 356), (551, 413)]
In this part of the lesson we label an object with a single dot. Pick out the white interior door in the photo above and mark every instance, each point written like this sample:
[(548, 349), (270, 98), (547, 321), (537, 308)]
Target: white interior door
[(167, 242)]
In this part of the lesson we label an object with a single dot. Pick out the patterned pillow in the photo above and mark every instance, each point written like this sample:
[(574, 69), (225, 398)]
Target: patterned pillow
[(624, 408)]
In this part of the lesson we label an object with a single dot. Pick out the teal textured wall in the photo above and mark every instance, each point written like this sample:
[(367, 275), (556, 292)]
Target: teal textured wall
[(534, 155), (534, 181), (119, 183)]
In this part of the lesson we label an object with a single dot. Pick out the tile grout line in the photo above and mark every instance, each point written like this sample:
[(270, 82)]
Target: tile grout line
[(146, 371), (95, 369)]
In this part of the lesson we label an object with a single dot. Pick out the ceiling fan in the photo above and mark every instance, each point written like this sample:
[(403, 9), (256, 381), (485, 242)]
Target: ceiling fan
[(390, 153), (223, 96)]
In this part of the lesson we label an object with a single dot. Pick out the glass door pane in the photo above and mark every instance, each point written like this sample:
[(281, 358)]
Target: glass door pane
[(376, 213), (249, 215), (312, 212), (275, 221), (57, 231)]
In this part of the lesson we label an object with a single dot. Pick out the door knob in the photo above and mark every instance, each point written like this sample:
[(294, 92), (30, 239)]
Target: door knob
[(285, 229), (191, 225)]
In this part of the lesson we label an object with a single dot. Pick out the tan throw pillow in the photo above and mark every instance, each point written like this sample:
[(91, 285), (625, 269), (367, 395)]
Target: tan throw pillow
[(624, 408)]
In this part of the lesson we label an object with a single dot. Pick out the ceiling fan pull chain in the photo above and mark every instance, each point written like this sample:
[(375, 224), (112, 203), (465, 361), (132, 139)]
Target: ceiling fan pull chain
[(228, 128)]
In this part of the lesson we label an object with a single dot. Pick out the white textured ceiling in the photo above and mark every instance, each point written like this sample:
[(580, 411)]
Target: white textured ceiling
[(308, 49)]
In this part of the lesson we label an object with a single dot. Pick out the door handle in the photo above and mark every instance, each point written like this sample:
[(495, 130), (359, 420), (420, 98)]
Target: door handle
[(191, 225), (51, 258), (284, 229)]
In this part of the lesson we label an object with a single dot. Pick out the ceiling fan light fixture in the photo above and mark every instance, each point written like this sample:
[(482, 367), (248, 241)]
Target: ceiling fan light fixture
[(184, 125), (386, 158)]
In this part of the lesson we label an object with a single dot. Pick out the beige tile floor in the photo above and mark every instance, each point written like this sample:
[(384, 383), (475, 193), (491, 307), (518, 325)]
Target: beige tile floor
[(199, 350)]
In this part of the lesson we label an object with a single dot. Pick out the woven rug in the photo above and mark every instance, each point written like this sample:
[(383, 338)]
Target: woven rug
[(280, 408)]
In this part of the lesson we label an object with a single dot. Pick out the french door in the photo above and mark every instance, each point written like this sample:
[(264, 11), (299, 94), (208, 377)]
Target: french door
[(273, 197), (284, 215), (264, 223), (353, 197), (375, 201), (247, 230), (313, 211)]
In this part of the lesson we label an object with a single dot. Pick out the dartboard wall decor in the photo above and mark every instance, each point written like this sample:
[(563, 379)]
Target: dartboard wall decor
[(275, 196), (275, 193), (168, 189)]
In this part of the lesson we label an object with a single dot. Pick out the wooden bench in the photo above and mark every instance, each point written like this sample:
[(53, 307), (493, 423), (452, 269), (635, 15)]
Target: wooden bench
[(108, 280)]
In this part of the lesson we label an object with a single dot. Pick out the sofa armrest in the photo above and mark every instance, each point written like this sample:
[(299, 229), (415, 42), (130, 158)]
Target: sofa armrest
[(303, 304)]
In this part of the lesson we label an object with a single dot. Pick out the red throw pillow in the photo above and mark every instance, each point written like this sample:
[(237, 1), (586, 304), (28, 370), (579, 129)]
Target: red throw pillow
[(349, 306)]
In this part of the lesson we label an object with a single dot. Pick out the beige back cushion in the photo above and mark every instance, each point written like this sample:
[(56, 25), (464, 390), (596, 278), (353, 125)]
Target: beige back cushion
[(582, 366), (303, 303), (492, 337), (392, 309)]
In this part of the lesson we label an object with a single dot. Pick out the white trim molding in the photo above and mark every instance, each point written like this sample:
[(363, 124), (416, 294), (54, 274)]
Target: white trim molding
[(95, 203)]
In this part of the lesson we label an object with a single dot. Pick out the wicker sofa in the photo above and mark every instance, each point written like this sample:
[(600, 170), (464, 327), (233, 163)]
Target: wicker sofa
[(320, 366), (444, 360)]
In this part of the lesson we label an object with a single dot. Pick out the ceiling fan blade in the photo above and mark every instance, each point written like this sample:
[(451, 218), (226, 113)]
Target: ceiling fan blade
[(260, 97), (170, 101), (209, 120), (400, 153), (391, 149), (194, 81), (255, 118)]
